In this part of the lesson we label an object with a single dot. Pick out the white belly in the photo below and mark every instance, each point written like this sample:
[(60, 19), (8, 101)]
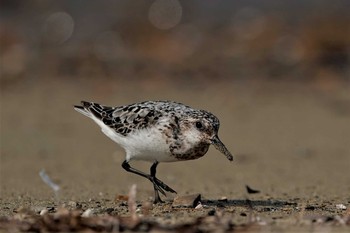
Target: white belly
[(147, 144)]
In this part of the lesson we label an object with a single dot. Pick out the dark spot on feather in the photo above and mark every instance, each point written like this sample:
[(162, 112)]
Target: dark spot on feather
[(107, 121), (95, 113), (150, 114), (98, 106), (121, 130), (136, 110), (117, 126), (110, 110), (176, 119)]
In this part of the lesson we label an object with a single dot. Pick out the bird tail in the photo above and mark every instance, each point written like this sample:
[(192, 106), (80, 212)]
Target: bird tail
[(92, 110), (84, 108)]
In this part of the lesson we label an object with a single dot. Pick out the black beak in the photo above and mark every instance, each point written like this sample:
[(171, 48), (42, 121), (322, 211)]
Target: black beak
[(221, 147)]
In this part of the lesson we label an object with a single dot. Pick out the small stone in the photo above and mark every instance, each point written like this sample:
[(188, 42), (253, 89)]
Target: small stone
[(87, 213), (187, 201), (340, 206), (37, 209), (44, 211), (251, 191), (121, 198), (199, 206), (51, 209)]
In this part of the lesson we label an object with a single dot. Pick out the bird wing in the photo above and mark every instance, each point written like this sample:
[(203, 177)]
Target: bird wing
[(124, 119)]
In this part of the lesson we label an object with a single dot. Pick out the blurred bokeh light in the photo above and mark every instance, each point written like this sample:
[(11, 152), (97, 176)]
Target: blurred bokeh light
[(165, 14), (307, 40), (58, 28)]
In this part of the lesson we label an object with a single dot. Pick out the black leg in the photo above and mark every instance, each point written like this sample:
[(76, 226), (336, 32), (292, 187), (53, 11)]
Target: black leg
[(158, 182), (153, 171), (158, 185)]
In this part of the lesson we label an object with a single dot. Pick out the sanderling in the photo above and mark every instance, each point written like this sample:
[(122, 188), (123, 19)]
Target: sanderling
[(157, 131)]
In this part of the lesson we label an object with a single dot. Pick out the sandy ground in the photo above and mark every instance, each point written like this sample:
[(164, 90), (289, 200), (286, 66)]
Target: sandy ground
[(290, 141)]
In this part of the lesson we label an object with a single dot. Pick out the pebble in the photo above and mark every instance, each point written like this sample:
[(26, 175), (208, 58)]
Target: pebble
[(44, 211), (37, 209), (199, 206), (251, 191), (340, 206), (87, 213), (121, 198), (191, 200)]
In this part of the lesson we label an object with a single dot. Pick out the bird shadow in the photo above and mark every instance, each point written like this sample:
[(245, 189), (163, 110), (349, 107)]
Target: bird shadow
[(248, 203)]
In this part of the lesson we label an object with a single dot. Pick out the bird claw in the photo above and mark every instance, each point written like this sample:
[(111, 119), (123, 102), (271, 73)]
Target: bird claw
[(164, 186), (161, 187)]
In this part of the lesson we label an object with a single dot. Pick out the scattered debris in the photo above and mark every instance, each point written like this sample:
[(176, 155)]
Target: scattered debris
[(251, 191), (71, 221), (88, 213), (132, 202), (191, 200), (49, 182), (199, 206), (340, 206), (336, 220), (214, 220), (121, 198), (44, 211), (146, 208), (37, 209)]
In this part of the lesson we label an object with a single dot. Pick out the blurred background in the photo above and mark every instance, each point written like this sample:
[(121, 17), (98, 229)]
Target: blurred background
[(170, 39), (277, 74)]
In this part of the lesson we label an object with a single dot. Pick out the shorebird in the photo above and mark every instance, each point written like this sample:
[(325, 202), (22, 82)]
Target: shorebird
[(157, 131)]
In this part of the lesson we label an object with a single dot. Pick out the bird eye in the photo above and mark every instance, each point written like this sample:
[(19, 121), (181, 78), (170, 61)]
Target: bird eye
[(199, 125)]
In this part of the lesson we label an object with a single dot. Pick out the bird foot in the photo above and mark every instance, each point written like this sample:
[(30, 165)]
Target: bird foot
[(160, 186)]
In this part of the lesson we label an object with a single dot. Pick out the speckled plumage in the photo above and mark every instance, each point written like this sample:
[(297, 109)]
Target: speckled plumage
[(157, 131)]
